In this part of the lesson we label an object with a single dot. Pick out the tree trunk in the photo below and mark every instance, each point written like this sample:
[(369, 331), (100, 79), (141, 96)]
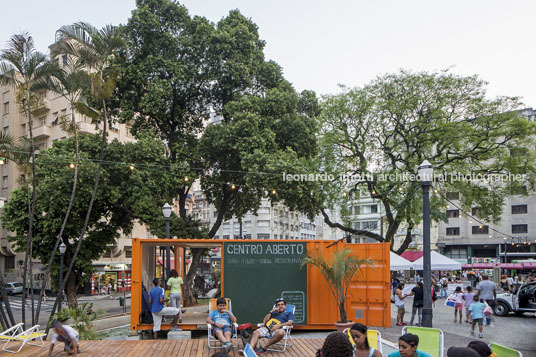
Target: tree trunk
[(64, 223), (71, 290), (189, 298)]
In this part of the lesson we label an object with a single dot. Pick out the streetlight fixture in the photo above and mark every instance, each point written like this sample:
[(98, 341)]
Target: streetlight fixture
[(426, 171), (166, 211), (62, 248)]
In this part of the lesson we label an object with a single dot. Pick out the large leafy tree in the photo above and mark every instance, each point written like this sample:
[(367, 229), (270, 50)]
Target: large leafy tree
[(122, 198), (22, 67), (391, 125), (179, 69)]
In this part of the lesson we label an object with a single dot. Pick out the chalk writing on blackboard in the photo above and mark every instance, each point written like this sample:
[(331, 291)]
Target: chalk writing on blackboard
[(296, 298)]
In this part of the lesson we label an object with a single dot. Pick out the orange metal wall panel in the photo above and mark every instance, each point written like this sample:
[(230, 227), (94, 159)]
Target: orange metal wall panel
[(368, 298), (135, 297)]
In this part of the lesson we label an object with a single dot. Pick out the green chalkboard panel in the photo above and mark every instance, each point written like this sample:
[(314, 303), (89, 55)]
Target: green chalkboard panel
[(257, 273)]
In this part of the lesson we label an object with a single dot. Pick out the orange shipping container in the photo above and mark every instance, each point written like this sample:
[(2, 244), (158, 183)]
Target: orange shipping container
[(256, 272)]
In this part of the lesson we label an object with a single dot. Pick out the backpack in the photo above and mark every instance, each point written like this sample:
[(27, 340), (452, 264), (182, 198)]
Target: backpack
[(146, 317), (444, 282)]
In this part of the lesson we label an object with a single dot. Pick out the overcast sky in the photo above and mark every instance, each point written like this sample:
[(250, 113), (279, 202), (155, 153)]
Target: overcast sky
[(320, 44)]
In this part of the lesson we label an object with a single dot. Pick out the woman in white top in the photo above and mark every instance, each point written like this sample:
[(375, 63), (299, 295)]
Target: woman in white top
[(399, 303)]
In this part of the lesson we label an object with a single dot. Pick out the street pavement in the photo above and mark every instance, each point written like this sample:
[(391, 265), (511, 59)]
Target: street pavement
[(518, 332)]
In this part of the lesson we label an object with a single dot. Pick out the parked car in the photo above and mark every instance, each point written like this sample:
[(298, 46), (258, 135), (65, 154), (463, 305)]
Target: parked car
[(13, 288), (520, 301)]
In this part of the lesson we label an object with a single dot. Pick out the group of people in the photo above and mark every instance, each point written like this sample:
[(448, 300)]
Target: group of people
[(354, 343), (272, 330), (157, 299)]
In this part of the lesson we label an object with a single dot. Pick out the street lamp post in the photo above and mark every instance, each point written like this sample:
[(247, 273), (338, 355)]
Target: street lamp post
[(166, 211), (426, 171), (63, 248)]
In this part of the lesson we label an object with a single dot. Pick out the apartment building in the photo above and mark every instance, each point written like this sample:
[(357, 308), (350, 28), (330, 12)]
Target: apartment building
[(46, 130)]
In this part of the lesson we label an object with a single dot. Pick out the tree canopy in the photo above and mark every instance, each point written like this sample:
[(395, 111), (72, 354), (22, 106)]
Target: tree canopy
[(382, 132)]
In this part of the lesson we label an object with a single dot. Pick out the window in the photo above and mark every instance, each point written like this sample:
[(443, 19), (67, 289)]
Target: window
[(6, 108), (519, 190), (455, 252), (23, 129), (453, 213), (453, 231), (263, 223), (519, 209), (225, 236), (370, 209), (5, 181), (55, 118), (453, 195), (519, 228), (474, 211), (128, 253), (369, 225), (107, 254), (263, 236), (9, 262), (480, 229), (42, 121)]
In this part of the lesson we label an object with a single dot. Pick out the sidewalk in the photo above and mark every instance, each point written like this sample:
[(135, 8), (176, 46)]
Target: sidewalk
[(83, 298)]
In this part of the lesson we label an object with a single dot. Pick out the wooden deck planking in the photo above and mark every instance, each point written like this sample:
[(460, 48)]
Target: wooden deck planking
[(152, 348)]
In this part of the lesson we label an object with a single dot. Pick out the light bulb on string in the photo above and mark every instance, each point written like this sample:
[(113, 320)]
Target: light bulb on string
[(186, 179), (233, 186), (71, 166), (132, 167)]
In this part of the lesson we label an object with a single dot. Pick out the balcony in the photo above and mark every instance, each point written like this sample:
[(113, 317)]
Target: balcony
[(41, 132), (42, 106)]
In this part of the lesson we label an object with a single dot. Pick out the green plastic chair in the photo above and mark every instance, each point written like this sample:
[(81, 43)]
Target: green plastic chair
[(504, 351), (430, 339)]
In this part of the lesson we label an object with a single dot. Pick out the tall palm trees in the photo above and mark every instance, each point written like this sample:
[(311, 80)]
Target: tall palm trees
[(22, 67), (95, 50)]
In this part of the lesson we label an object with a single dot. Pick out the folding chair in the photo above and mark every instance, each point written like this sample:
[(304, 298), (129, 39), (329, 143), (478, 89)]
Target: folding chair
[(25, 337), (213, 342), (504, 351), (374, 338), (430, 339), (12, 331), (249, 351), (287, 339)]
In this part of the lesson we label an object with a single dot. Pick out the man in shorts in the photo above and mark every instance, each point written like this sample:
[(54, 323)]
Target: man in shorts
[(67, 335), (274, 322), (157, 299)]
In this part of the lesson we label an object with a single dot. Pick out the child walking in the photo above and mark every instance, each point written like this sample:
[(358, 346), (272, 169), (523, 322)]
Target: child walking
[(477, 314), (459, 303), (468, 298)]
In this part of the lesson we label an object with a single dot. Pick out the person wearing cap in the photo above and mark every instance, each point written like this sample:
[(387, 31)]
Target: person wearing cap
[(274, 321), (67, 335)]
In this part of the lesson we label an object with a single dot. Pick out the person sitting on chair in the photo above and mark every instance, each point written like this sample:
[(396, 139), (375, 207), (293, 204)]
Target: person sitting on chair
[(407, 347), (274, 321), (67, 335), (221, 321)]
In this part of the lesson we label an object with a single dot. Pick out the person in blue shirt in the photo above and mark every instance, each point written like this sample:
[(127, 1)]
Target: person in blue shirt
[(407, 347), (274, 321), (157, 299), (221, 320), (477, 314)]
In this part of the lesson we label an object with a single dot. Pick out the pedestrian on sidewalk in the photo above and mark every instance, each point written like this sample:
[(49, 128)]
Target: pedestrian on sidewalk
[(418, 301), (444, 287), (400, 304), (477, 315), (458, 307), (487, 291), (468, 300)]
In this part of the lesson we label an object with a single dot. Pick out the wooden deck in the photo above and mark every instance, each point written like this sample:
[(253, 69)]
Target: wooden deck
[(154, 348)]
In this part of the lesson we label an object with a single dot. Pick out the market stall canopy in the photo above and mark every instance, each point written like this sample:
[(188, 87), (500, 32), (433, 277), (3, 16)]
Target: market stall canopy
[(439, 262), (399, 263)]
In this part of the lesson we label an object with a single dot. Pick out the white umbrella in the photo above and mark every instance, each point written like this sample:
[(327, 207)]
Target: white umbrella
[(439, 262), (399, 263)]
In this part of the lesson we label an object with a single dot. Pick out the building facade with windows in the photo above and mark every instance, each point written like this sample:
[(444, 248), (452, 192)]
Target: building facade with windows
[(46, 130)]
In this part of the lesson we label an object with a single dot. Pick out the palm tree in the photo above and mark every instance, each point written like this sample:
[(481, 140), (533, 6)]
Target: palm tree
[(68, 83), (338, 269), (94, 49), (22, 67)]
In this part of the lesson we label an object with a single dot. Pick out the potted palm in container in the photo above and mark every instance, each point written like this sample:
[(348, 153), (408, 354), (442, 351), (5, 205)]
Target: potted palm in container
[(338, 269)]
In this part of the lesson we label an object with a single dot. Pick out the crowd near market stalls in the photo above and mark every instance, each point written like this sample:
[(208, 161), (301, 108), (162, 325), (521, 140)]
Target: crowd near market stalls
[(256, 272)]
